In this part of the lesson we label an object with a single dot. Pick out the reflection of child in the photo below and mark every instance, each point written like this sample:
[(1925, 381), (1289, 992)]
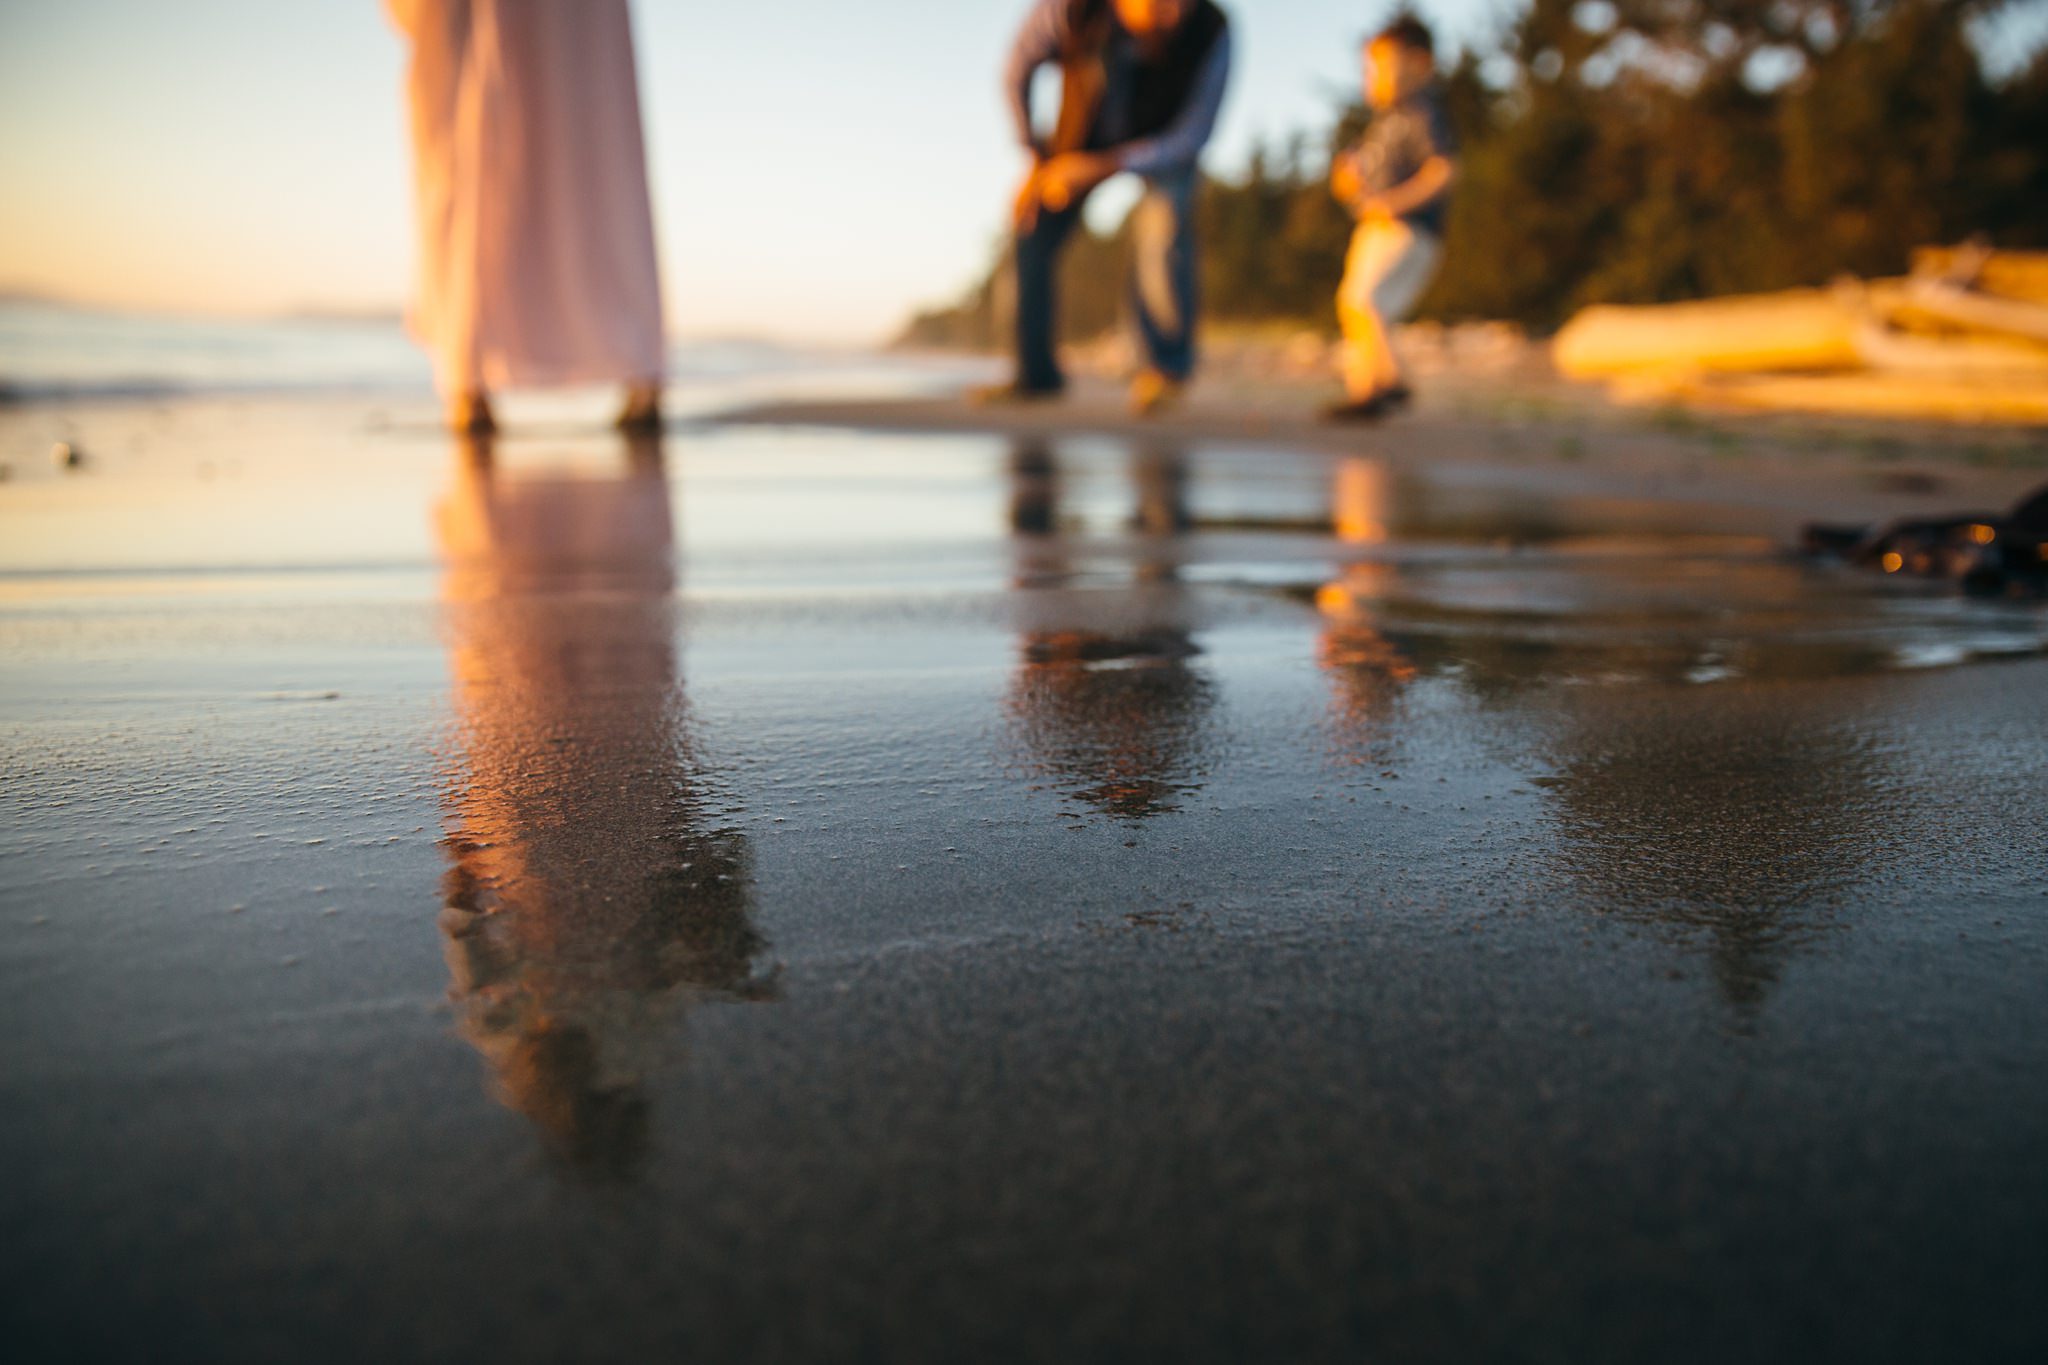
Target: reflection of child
[(1396, 182)]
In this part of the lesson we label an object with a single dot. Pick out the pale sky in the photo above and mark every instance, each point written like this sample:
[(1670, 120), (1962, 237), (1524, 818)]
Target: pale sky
[(820, 166)]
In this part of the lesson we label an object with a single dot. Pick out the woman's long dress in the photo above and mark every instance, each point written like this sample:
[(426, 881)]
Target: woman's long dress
[(537, 262)]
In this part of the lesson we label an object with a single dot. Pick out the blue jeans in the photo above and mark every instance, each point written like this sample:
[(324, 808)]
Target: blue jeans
[(1163, 297)]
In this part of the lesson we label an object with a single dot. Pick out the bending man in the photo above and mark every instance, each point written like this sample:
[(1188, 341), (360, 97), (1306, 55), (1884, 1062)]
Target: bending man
[(1143, 84)]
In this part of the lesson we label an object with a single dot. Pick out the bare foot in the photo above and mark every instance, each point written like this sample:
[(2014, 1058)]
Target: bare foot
[(470, 414), (642, 412)]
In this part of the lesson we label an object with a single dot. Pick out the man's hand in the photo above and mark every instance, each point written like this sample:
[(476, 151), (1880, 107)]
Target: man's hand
[(1024, 210), (1067, 178)]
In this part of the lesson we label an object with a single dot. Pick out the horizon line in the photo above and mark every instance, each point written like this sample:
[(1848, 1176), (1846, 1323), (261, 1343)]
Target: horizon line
[(394, 314)]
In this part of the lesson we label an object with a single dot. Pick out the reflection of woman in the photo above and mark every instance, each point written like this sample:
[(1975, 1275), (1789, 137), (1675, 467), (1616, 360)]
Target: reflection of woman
[(592, 889), (536, 238)]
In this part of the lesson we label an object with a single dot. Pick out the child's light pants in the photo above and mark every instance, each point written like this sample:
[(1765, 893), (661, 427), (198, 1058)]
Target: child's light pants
[(1390, 264)]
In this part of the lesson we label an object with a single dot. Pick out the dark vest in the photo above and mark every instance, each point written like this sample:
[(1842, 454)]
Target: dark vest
[(1161, 87)]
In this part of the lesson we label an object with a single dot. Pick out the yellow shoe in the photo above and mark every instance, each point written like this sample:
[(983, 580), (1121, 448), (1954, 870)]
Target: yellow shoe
[(1153, 393)]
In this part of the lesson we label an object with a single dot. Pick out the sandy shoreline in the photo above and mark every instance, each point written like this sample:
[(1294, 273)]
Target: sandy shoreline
[(796, 891), (1525, 435)]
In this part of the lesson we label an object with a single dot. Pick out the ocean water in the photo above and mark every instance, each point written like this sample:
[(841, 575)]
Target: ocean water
[(56, 353)]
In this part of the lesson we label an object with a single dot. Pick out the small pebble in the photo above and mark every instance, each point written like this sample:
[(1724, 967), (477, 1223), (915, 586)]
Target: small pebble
[(65, 455)]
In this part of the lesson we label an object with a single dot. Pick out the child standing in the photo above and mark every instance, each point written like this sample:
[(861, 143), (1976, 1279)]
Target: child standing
[(1396, 183)]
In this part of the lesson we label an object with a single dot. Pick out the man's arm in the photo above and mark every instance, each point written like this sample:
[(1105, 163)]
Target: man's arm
[(1182, 142), (1039, 41)]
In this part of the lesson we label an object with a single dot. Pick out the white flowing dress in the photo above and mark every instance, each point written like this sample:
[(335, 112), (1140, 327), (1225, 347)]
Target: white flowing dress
[(536, 234)]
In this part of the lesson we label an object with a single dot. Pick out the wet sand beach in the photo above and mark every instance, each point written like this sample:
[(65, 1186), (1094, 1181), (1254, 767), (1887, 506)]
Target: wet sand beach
[(1009, 888)]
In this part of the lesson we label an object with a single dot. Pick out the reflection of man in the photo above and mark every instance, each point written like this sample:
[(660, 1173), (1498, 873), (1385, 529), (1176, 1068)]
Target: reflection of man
[(1105, 703), (592, 889), (1144, 82)]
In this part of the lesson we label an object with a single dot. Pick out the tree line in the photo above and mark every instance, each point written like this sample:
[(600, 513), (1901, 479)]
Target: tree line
[(1637, 151)]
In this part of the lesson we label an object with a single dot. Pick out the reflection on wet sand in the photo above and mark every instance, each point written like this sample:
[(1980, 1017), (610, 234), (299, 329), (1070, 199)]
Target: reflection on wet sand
[(1105, 704), (1740, 822), (1607, 613), (1366, 669), (593, 890), (1703, 777)]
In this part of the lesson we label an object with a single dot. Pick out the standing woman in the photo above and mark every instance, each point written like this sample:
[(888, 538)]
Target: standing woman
[(537, 262)]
